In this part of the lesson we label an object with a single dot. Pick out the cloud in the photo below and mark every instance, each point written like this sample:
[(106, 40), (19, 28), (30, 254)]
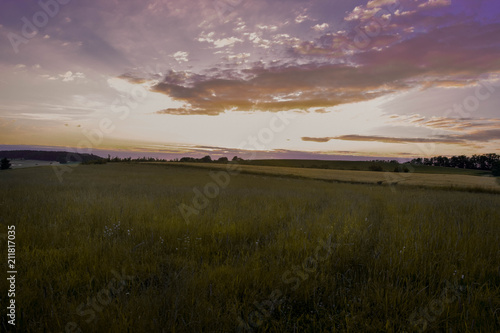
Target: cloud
[(301, 18), (453, 56), (445, 123), (237, 59), (206, 37), (279, 89), (361, 13), (257, 40), (321, 27), (181, 56), (435, 3), (324, 139), (384, 139), (267, 27), (70, 76), (218, 43), (321, 69), (454, 53), (460, 139), (377, 8), (483, 135), (380, 3)]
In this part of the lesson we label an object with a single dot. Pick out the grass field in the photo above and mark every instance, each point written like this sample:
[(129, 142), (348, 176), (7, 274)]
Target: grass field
[(363, 166), (108, 250), (17, 164), (393, 179)]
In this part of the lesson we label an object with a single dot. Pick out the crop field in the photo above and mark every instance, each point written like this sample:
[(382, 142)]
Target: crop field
[(17, 164), (363, 166), (443, 181), (129, 247)]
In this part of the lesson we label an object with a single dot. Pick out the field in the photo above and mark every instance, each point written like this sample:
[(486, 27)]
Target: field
[(363, 166), (453, 181), (169, 248), (17, 164)]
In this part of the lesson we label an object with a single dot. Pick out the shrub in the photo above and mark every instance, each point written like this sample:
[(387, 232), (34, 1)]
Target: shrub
[(5, 164), (375, 167), (206, 159), (495, 170), (401, 169), (99, 161)]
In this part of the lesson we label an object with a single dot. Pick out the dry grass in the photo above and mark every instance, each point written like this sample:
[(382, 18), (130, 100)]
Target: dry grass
[(447, 181), (391, 254)]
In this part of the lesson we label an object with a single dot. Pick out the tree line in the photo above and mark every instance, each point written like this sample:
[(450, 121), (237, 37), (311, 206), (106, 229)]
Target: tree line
[(478, 162), (205, 159), (59, 156)]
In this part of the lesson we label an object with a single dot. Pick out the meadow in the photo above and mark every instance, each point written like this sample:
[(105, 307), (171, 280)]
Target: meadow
[(451, 180), (363, 166), (109, 250)]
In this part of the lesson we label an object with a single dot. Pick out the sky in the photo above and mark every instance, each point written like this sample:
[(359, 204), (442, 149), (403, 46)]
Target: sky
[(255, 78)]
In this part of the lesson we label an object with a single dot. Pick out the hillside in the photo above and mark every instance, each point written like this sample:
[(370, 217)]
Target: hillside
[(48, 155)]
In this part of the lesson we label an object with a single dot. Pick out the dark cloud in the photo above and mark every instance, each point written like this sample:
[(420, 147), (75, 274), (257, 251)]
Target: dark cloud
[(478, 136), (385, 139), (483, 135)]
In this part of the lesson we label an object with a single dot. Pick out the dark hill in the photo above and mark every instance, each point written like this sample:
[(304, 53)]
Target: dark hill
[(60, 156)]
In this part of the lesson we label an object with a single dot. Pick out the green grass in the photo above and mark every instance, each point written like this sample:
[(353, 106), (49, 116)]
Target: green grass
[(449, 182), (364, 166), (394, 253)]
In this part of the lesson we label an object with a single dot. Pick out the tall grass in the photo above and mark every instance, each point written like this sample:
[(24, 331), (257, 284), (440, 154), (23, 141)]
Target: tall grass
[(365, 166), (394, 253)]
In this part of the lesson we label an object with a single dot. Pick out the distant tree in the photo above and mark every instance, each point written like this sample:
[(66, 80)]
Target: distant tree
[(462, 161), (375, 167), (400, 168), (5, 164), (477, 162), (222, 160), (439, 161), (206, 159), (495, 169), (418, 161), (99, 160)]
